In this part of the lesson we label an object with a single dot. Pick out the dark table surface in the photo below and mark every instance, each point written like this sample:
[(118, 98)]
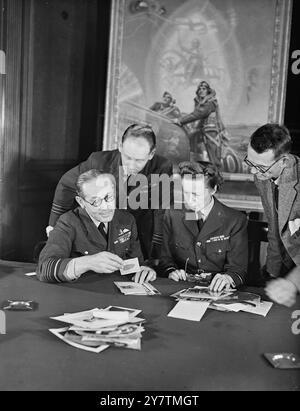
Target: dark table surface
[(224, 351)]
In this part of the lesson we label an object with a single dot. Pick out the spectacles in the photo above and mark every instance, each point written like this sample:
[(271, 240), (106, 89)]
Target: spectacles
[(109, 198), (261, 169)]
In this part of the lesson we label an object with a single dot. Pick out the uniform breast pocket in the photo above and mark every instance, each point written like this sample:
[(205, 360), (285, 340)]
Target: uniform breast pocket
[(181, 246), (122, 249), (79, 252), (86, 249), (217, 248), (181, 250)]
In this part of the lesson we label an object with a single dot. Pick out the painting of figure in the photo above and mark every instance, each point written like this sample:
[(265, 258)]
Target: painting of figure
[(167, 106), (203, 73)]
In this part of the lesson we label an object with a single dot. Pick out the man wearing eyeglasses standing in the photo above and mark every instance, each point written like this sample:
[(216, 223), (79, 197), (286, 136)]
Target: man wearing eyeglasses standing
[(277, 177), (135, 155), (93, 237)]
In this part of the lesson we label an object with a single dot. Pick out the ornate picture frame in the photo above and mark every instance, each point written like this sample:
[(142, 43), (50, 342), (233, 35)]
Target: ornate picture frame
[(160, 53)]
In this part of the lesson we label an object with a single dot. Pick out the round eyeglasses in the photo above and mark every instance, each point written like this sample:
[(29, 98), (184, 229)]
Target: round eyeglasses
[(261, 169), (109, 198)]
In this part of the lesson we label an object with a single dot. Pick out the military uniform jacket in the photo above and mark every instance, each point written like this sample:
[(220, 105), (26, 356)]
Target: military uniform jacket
[(220, 247), (149, 222), (76, 235), (288, 211)]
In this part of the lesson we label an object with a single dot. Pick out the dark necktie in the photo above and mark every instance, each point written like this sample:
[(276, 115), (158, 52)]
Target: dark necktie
[(275, 196), (200, 221), (101, 228)]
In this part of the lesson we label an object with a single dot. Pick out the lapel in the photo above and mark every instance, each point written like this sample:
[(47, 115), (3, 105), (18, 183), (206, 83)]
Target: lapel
[(212, 223), (268, 193), (190, 225), (214, 220), (287, 192), (93, 234)]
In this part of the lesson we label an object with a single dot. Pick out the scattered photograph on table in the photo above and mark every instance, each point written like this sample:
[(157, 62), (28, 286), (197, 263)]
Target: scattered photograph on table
[(205, 292), (87, 319), (131, 311), (61, 332)]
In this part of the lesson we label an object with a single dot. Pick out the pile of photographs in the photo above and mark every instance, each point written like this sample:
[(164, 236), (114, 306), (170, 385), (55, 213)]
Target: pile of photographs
[(226, 300), (203, 279), (97, 329), (132, 288)]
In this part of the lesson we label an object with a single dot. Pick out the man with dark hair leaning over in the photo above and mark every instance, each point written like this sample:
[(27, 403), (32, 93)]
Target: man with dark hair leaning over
[(135, 155), (93, 237), (277, 177), (204, 235)]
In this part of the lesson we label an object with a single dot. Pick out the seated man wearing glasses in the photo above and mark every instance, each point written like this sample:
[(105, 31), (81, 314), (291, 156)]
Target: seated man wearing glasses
[(92, 237), (277, 177), (135, 157), (204, 235)]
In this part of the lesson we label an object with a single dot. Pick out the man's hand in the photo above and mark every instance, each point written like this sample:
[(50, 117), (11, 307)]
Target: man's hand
[(282, 291), (48, 230), (104, 262), (221, 282), (146, 274), (178, 275)]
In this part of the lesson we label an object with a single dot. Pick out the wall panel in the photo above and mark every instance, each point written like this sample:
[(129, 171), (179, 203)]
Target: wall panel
[(52, 58)]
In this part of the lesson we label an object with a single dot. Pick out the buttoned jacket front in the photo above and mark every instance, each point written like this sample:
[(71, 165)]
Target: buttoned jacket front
[(76, 235), (288, 211), (220, 247)]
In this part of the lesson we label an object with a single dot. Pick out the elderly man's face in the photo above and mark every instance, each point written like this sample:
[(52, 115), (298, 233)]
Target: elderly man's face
[(135, 153), (98, 198), (196, 194)]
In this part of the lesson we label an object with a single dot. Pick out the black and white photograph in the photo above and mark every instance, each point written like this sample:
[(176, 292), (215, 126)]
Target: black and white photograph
[(149, 198)]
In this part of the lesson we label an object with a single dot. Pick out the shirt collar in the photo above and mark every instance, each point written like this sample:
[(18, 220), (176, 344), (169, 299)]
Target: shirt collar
[(207, 209), (97, 223)]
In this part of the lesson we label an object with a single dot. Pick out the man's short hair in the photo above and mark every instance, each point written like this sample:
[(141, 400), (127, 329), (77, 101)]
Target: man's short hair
[(89, 176), (212, 176), (141, 130), (274, 137)]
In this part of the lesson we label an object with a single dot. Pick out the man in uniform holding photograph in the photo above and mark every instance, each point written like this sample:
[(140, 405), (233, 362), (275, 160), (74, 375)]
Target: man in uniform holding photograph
[(92, 237), (135, 155)]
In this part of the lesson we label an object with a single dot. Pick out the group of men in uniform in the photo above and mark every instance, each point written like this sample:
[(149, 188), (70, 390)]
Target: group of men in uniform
[(116, 219)]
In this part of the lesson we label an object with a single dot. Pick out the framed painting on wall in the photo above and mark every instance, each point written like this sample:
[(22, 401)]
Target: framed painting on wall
[(204, 74)]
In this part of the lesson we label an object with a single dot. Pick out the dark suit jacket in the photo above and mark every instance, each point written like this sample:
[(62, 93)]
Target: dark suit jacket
[(76, 235), (220, 247), (149, 222), (288, 210)]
